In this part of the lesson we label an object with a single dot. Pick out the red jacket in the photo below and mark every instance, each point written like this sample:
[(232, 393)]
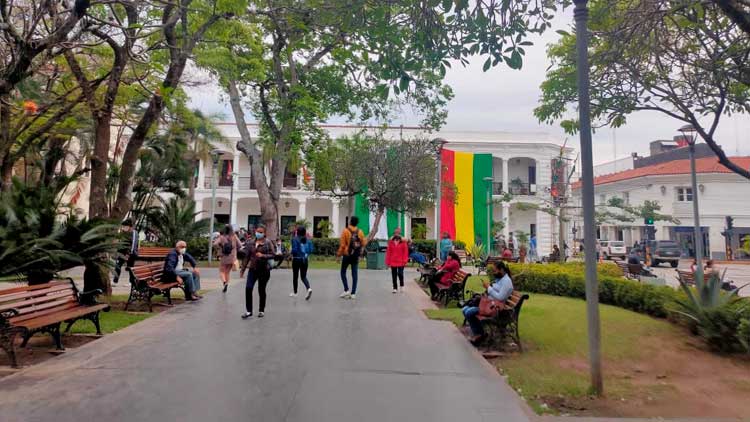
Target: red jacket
[(397, 254), (450, 268)]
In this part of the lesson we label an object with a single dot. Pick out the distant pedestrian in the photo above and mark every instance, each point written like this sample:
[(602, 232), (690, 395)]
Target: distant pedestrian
[(533, 256), (128, 252), (227, 244), (446, 245), (302, 248), (396, 257), (351, 245), (257, 255)]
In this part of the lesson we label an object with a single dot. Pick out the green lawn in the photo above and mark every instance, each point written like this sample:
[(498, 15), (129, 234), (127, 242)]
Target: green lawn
[(110, 322), (553, 331)]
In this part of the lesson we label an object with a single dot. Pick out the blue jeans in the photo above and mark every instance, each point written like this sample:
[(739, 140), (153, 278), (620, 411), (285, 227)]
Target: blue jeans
[(191, 280), (345, 262), (443, 255), (471, 313), (418, 258)]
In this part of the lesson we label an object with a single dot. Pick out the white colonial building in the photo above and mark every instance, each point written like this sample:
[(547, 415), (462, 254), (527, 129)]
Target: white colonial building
[(720, 194), (522, 165)]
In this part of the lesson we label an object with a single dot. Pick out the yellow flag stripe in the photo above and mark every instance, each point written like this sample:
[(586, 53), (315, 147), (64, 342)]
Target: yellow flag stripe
[(464, 181)]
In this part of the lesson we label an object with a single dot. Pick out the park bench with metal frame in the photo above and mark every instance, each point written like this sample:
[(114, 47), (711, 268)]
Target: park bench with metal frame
[(152, 253), (505, 322), (686, 277), (146, 282), (455, 290), (42, 308)]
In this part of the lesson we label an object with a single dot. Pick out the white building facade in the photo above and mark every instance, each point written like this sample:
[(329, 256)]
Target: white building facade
[(720, 194), (521, 165)]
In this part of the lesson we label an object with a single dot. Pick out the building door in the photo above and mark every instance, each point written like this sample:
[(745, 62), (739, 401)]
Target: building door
[(253, 221), (221, 219), (685, 237), (532, 175), (287, 223), (419, 227), (316, 220)]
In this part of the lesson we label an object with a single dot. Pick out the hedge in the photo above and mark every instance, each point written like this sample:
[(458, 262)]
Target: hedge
[(568, 280)]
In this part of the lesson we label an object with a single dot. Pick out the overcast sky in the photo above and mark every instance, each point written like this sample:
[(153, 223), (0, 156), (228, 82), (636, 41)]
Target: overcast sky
[(503, 99)]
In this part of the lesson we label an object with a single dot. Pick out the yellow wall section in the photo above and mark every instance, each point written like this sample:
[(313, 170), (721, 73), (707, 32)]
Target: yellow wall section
[(464, 180)]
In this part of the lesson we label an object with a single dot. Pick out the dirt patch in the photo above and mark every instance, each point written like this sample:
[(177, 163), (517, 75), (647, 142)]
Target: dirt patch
[(40, 348), (675, 377)]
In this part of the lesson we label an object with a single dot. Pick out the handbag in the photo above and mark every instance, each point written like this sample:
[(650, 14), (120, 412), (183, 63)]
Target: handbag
[(489, 307)]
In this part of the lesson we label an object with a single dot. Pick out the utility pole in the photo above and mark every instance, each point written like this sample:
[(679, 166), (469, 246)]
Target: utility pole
[(438, 194), (581, 14), (215, 162)]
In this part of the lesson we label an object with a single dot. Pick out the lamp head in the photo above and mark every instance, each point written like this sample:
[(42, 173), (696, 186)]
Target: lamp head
[(215, 154), (688, 131)]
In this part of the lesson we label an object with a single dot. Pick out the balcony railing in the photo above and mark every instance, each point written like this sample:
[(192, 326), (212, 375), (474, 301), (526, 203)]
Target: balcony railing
[(242, 183), (522, 189)]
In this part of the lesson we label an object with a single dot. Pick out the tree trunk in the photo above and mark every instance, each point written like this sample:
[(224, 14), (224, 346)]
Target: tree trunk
[(5, 141), (376, 224), (6, 172), (99, 160), (561, 232)]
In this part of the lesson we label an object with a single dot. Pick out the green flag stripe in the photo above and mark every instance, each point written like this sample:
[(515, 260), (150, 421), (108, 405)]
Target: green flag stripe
[(482, 169)]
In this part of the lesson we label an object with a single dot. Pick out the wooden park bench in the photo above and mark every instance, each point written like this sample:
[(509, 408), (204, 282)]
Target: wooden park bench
[(455, 290), (425, 273), (152, 253), (506, 321), (631, 271), (491, 260), (462, 256), (686, 277), (145, 283), (27, 310)]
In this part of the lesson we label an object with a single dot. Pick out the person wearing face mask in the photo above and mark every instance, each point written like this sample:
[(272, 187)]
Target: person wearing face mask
[(175, 268), (257, 255), (396, 257)]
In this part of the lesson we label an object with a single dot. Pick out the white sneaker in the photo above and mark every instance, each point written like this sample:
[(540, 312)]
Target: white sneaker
[(352, 297), (292, 294), (309, 293), (394, 291), (260, 314), (247, 315), (345, 295)]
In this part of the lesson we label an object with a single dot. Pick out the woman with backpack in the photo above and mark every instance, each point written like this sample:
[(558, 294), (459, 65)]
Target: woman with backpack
[(302, 247), (257, 254), (396, 257), (227, 244)]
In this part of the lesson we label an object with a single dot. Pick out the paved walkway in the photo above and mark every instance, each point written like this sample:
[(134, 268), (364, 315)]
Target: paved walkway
[(374, 359)]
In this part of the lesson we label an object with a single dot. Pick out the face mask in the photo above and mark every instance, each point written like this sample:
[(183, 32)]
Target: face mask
[(259, 235), (182, 250)]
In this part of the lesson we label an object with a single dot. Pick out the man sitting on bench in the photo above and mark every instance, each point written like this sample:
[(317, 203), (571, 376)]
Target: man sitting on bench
[(175, 269)]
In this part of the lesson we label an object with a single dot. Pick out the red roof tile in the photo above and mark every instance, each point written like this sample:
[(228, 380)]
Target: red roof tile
[(702, 165)]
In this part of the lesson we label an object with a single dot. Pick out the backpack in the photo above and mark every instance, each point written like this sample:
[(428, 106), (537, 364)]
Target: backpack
[(227, 247), (355, 243)]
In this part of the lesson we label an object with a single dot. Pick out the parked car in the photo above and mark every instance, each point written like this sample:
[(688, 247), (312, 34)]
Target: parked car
[(664, 251), (613, 248)]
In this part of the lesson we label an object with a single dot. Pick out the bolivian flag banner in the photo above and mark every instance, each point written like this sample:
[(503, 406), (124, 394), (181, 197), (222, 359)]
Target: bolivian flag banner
[(463, 204)]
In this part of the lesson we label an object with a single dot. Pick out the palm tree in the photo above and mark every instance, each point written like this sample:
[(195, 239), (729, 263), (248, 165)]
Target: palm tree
[(202, 136), (175, 220)]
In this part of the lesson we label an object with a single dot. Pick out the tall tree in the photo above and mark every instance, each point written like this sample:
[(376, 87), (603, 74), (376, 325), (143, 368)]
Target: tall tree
[(184, 24), (302, 62), (684, 59), (390, 175)]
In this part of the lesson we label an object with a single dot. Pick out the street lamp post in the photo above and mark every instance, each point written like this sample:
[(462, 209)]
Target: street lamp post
[(488, 181), (215, 154), (688, 131), (438, 195), (231, 198), (581, 14)]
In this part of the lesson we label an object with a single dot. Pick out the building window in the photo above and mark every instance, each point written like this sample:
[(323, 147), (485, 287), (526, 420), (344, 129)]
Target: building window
[(684, 194), (225, 178), (317, 233), (626, 199), (253, 221), (532, 230), (419, 227), (290, 179), (602, 199), (287, 224)]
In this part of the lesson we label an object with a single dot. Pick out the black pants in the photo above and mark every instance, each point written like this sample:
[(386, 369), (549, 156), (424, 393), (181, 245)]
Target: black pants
[(299, 268), (129, 262), (397, 271), (262, 278), (432, 282)]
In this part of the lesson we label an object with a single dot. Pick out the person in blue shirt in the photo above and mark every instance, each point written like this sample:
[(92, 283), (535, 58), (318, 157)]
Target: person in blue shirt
[(500, 289), (302, 248), (446, 245)]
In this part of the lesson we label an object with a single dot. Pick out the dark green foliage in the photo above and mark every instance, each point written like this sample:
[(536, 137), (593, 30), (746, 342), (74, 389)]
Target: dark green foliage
[(175, 221)]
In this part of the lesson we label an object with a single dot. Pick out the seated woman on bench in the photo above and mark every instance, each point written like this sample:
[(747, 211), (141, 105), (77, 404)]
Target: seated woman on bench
[(500, 289), (445, 273)]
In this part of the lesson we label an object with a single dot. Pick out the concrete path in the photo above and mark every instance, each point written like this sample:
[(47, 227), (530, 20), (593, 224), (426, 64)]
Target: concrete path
[(330, 360)]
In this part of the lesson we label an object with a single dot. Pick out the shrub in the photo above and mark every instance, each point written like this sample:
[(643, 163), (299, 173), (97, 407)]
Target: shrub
[(568, 280), (720, 327), (325, 246), (424, 246), (743, 333)]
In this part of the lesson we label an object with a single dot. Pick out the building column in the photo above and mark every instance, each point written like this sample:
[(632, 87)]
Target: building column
[(201, 175), (236, 169), (506, 217), (199, 208), (335, 208), (506, 164), (406, 230), (302, 210), (233, 211)]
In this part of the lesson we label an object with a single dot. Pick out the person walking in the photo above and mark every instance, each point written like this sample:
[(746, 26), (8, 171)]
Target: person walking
[(227, 244), (302, 248), (533, 256), (257, 254), (446, 245), (396, 257), (351, 245), (128, 252)]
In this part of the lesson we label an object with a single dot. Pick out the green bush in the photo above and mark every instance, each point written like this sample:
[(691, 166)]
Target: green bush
[(720, 327), (425, 246), (198, 248), (568, 280), (743, 333), (325, 246)]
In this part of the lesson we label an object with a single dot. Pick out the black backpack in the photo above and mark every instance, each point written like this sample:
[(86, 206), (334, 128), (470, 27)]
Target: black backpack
[(355, 243), (227, 248)]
